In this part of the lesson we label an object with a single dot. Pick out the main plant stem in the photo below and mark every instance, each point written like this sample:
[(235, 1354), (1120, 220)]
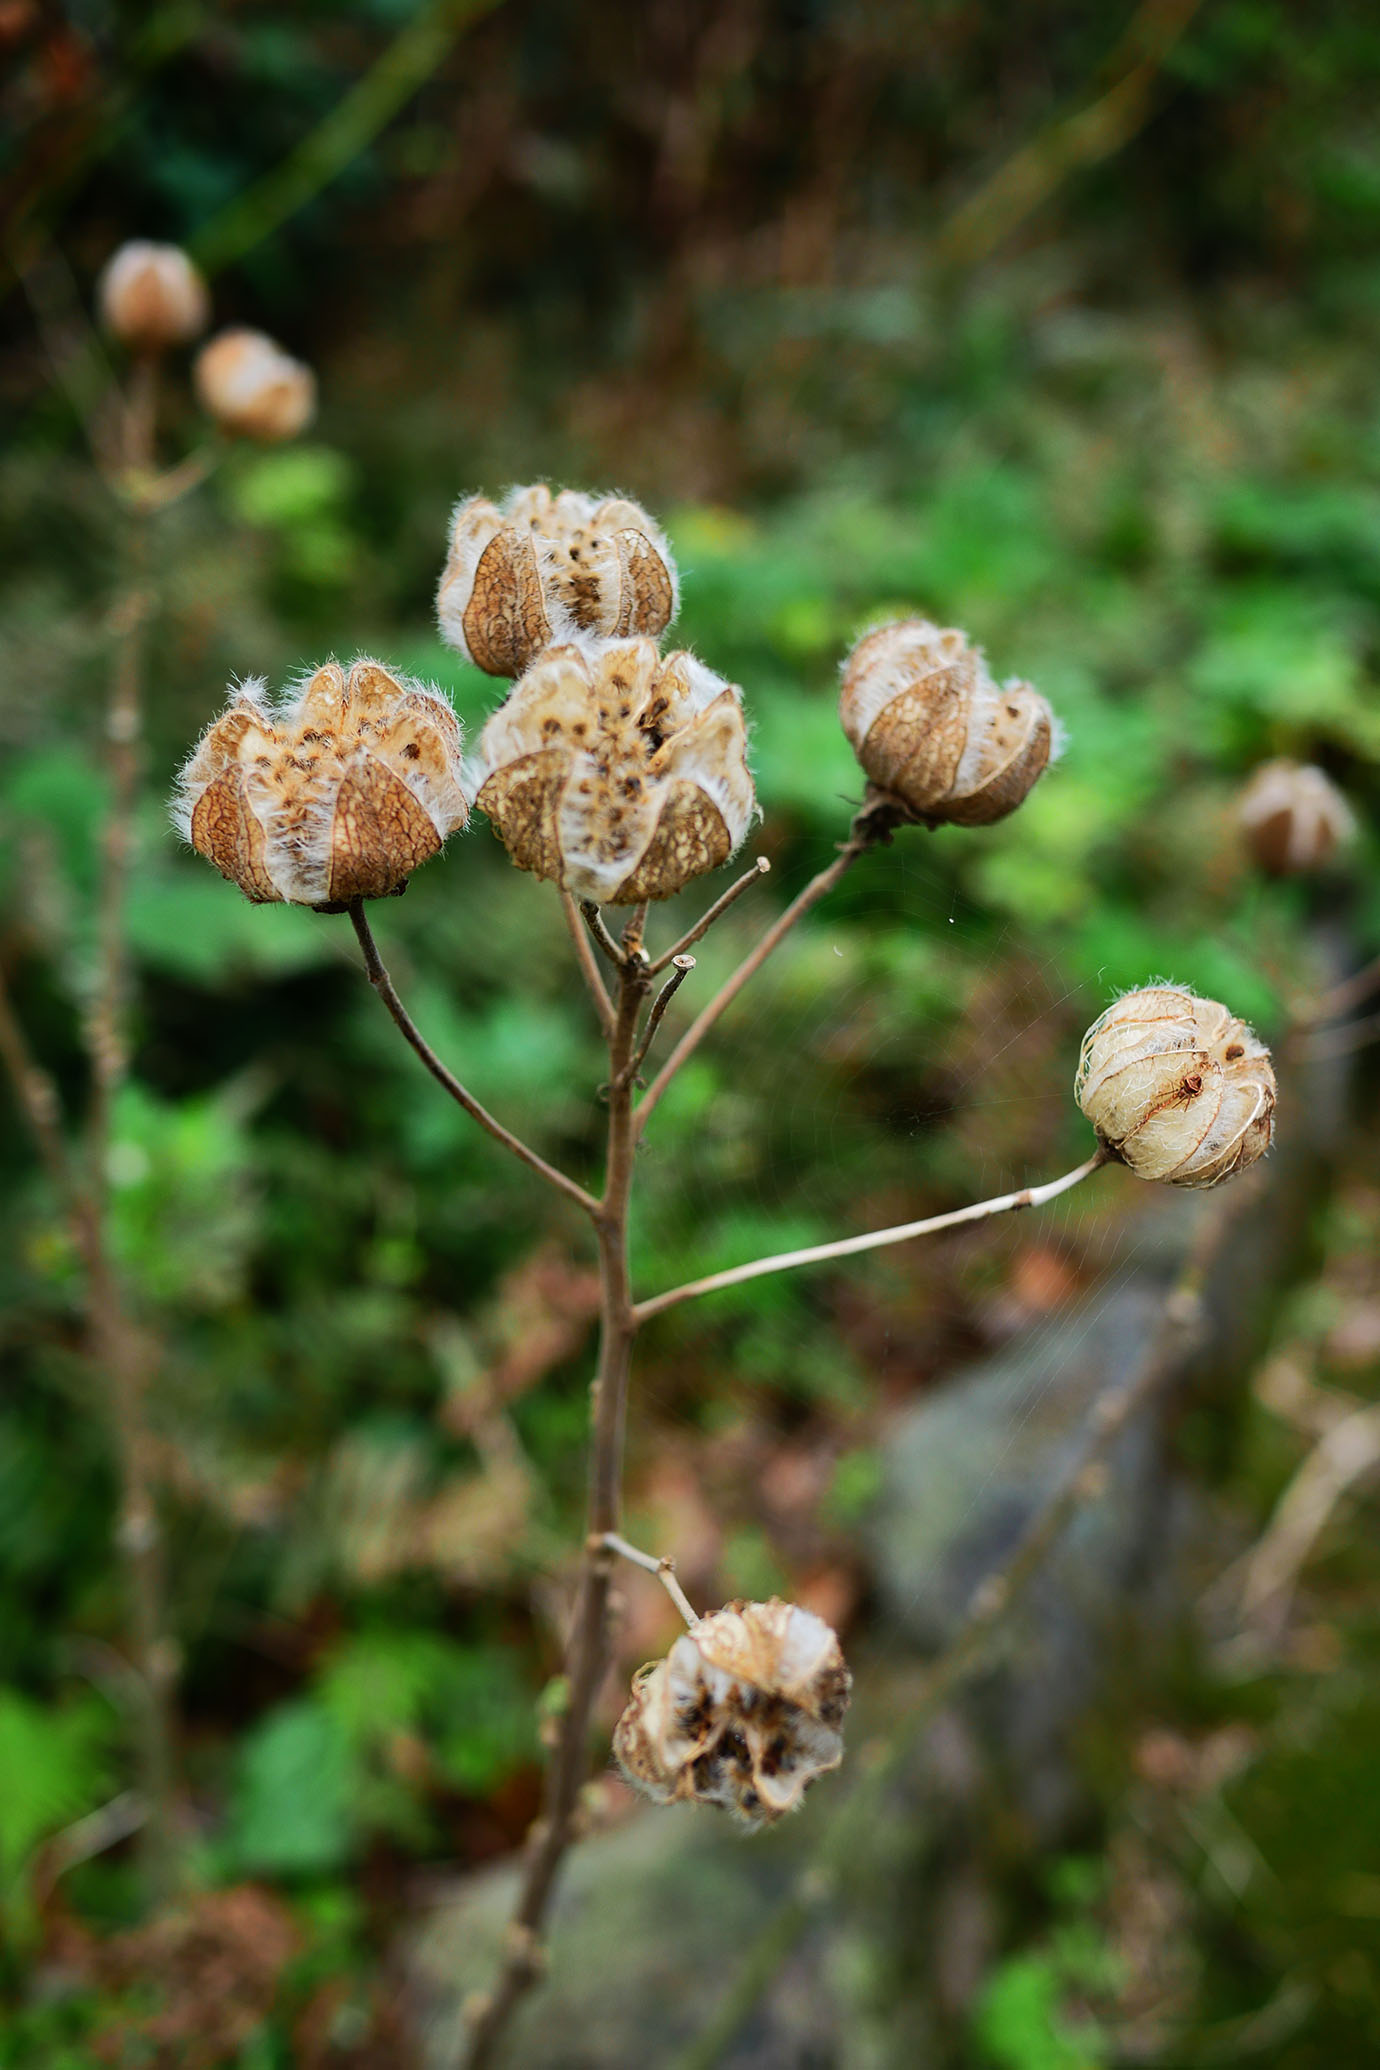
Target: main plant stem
[(118, 1345), (587, 1653)]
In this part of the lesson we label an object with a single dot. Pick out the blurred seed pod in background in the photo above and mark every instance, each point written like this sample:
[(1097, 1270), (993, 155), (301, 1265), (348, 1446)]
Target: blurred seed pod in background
[(1176, 1087), (745, 1712), (151, 296), (543, 568), (934, 731), (617, 774), (253, 388), (337, 792), (1294, 818)]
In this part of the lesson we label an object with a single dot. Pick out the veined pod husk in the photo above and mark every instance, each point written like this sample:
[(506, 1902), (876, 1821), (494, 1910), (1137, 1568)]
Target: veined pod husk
[(934, 731), (615, 773), (1176, 1087), (337, 791), (541, 568), (1294, 818), (745, 1712)]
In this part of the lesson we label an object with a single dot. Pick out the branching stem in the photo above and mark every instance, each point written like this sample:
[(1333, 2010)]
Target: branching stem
[(663, 1568), (875, 1239), (683, 967), (584, 955), (875, 823), (383, 985), (706, 920)]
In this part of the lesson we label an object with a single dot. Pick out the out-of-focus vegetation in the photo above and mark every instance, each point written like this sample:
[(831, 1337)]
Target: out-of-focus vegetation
[(756, 265)]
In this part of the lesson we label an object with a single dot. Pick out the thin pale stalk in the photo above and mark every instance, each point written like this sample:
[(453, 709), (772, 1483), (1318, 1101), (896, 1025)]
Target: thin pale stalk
[(588, 1650), (584, 956), (875, 1239), (706, 920), (594, 920), (663, 1568), (875, 823), (383, 985)]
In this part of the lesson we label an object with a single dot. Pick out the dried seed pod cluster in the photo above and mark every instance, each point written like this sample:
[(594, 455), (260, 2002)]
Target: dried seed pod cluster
[(617, 773), (544, 568), (335, 793), (935, 732), (1294, 818), (745, 1712), (151, 297), (1176, 1087), (253, 388)]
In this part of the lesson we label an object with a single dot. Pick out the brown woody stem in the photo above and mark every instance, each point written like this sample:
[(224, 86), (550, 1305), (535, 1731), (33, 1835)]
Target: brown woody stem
[(383, 985), (706, 920), (663, 1568), (584, 956), (588, 1648)]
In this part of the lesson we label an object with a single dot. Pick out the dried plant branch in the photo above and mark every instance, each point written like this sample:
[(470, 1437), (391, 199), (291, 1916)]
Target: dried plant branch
[(875, 823), (683, 967), (1082, 1480), (875, 1239), (1344, 1455), (584, 955), (587, 1653), (1341, 997), (594, 920), (663, 1568), (383, 985), (706, 920)]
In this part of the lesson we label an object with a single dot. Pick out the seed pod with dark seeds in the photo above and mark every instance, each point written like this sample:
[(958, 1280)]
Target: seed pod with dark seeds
[(934, 731), (1176, 1087), (615, 773), (546, 568), (745, 1712), (338, 791)]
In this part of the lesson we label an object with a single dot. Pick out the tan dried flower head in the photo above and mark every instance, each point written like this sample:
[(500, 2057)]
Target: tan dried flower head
[(1294, 817), (933, 729), (151, 296), (745, 1711), (544, 568), (617, 774), (335, 793), (253, 388), (1176, 1087)]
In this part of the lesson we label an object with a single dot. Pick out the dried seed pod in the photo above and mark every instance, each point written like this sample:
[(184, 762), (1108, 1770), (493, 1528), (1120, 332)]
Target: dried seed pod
[(1176, 1087), (934, 731), (745, 1711), (618, 775), (1294, 818), (335, 793), (151, 296), (253, 388), (546, 568)]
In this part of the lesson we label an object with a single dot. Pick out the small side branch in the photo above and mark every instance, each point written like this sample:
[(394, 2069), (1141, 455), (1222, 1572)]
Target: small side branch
[(37, 1097), (594, 921), (875, 1239), (720, 906), (875, 823), (383, 985), (584, 955), (683, 967), (663, 1568)]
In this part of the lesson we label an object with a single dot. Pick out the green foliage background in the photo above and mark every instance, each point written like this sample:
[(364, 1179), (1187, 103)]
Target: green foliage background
[(1133, 446)]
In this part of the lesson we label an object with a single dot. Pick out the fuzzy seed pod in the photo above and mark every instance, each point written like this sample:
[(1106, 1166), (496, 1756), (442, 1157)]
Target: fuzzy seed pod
[(337, 792), (151, 296), (1294, 818), (1176, 1088), (616, 774), (253, 388), (547, 568), (935, 732), (745, 1711)]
